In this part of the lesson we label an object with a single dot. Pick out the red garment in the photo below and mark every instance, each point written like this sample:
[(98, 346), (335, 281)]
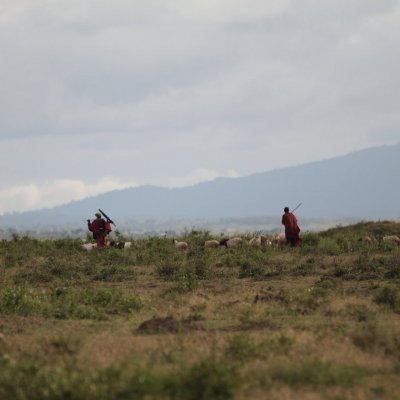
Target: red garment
[(291, 228), (98, 227)]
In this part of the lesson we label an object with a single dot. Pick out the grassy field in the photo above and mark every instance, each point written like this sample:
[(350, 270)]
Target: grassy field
[(321, 321)]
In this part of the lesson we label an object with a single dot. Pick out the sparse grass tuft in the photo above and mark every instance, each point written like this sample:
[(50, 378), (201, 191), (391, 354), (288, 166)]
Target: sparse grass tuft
[(389, 296), (210, 379), (316, 373), (242, 348)]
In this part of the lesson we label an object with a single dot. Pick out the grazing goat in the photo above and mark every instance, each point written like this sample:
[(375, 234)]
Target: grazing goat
[(120, 245), (233, 242), (211, 244), (260, 241), (391, 239), (366, 239), (180, 246), (88, 246), (280, 240)]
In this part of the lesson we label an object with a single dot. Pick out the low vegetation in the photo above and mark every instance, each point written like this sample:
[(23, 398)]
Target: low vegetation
[(320, 321)]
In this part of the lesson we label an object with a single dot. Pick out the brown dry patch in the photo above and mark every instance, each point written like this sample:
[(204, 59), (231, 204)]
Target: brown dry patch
[(341, 305), (169, 325), (107, 348), (265, 296)]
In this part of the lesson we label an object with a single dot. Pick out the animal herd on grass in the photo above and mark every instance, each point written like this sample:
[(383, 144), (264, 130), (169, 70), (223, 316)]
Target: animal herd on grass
[(259, 241), (277, 240)]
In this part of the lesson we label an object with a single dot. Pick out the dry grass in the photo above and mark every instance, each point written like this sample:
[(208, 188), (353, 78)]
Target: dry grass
[(315, 332)]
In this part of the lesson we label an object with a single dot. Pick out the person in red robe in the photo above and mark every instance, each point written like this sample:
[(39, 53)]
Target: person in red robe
[(292, 229), (100, 230)]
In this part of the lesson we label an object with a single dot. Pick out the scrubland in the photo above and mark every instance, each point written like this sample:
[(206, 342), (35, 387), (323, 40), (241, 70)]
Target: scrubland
[(320, 321)]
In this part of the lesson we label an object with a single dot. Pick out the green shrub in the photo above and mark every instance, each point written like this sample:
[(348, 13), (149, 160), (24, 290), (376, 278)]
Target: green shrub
[(363, 268), (304, 269), (329, 247), (393, 267), (359, 312), (27, 380), (91, 303), (12, 259), (316, 373), (279, 344), (128, 380), (187, 282), (209, 379), (114, 274), (370, 336), (169, 269), (19, 300), (309, 300), (200, 264), (249, 269), (344, 272), (389, 296), (311, 239), (242, 348)]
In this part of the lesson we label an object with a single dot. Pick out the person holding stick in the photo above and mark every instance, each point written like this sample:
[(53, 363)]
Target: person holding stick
[(100, 229), (292, 229)]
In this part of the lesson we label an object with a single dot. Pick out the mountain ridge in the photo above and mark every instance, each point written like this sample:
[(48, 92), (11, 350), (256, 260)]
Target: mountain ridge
[(360, 184)]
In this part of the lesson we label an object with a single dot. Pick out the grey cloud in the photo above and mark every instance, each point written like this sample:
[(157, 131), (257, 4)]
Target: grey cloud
[(66, 81), (159, 89)]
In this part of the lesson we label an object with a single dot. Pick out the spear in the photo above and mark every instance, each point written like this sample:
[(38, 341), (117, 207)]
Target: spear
[(298, 205), (107, 217)]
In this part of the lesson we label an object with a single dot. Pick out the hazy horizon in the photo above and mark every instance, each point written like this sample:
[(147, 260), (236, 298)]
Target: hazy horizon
[(182, 186)]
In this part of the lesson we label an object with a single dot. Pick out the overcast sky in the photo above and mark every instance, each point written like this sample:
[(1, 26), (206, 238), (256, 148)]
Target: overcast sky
[(98, 95)]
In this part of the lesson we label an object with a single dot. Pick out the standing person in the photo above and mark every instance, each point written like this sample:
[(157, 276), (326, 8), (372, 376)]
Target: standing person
[(100, 229), (292, 230)]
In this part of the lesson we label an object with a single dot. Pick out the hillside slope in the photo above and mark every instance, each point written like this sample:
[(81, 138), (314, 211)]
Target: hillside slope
[(362, 184)]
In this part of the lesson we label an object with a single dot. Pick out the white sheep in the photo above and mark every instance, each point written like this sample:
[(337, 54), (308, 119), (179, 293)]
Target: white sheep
[(280, 240), (260, 241), (211, 244), (391, 239), (180, 246), (88, 246), (366, 239)]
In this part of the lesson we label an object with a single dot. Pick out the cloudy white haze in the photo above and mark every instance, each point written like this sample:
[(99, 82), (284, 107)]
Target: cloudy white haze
[(100, 95)]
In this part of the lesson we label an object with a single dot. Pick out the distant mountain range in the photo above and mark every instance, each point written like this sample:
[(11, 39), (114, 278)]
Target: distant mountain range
[(361, 185)]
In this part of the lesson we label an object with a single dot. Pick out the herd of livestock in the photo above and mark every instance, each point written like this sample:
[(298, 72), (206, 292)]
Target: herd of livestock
[(277, 240)]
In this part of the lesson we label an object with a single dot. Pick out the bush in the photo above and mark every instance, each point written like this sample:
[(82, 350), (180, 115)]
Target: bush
[(169, 268), (309, 300), (252, 263), (249, 269), (200, 264), (67, 302), (304, 269), (369, 335), (316, 373), (388, 295), (329, 247), (91, 303), (187, 282), (114, 274), (242, 348), (209, 379), (20, 301), (393, 267), (127, 380), (345, 244), (311, 239)]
